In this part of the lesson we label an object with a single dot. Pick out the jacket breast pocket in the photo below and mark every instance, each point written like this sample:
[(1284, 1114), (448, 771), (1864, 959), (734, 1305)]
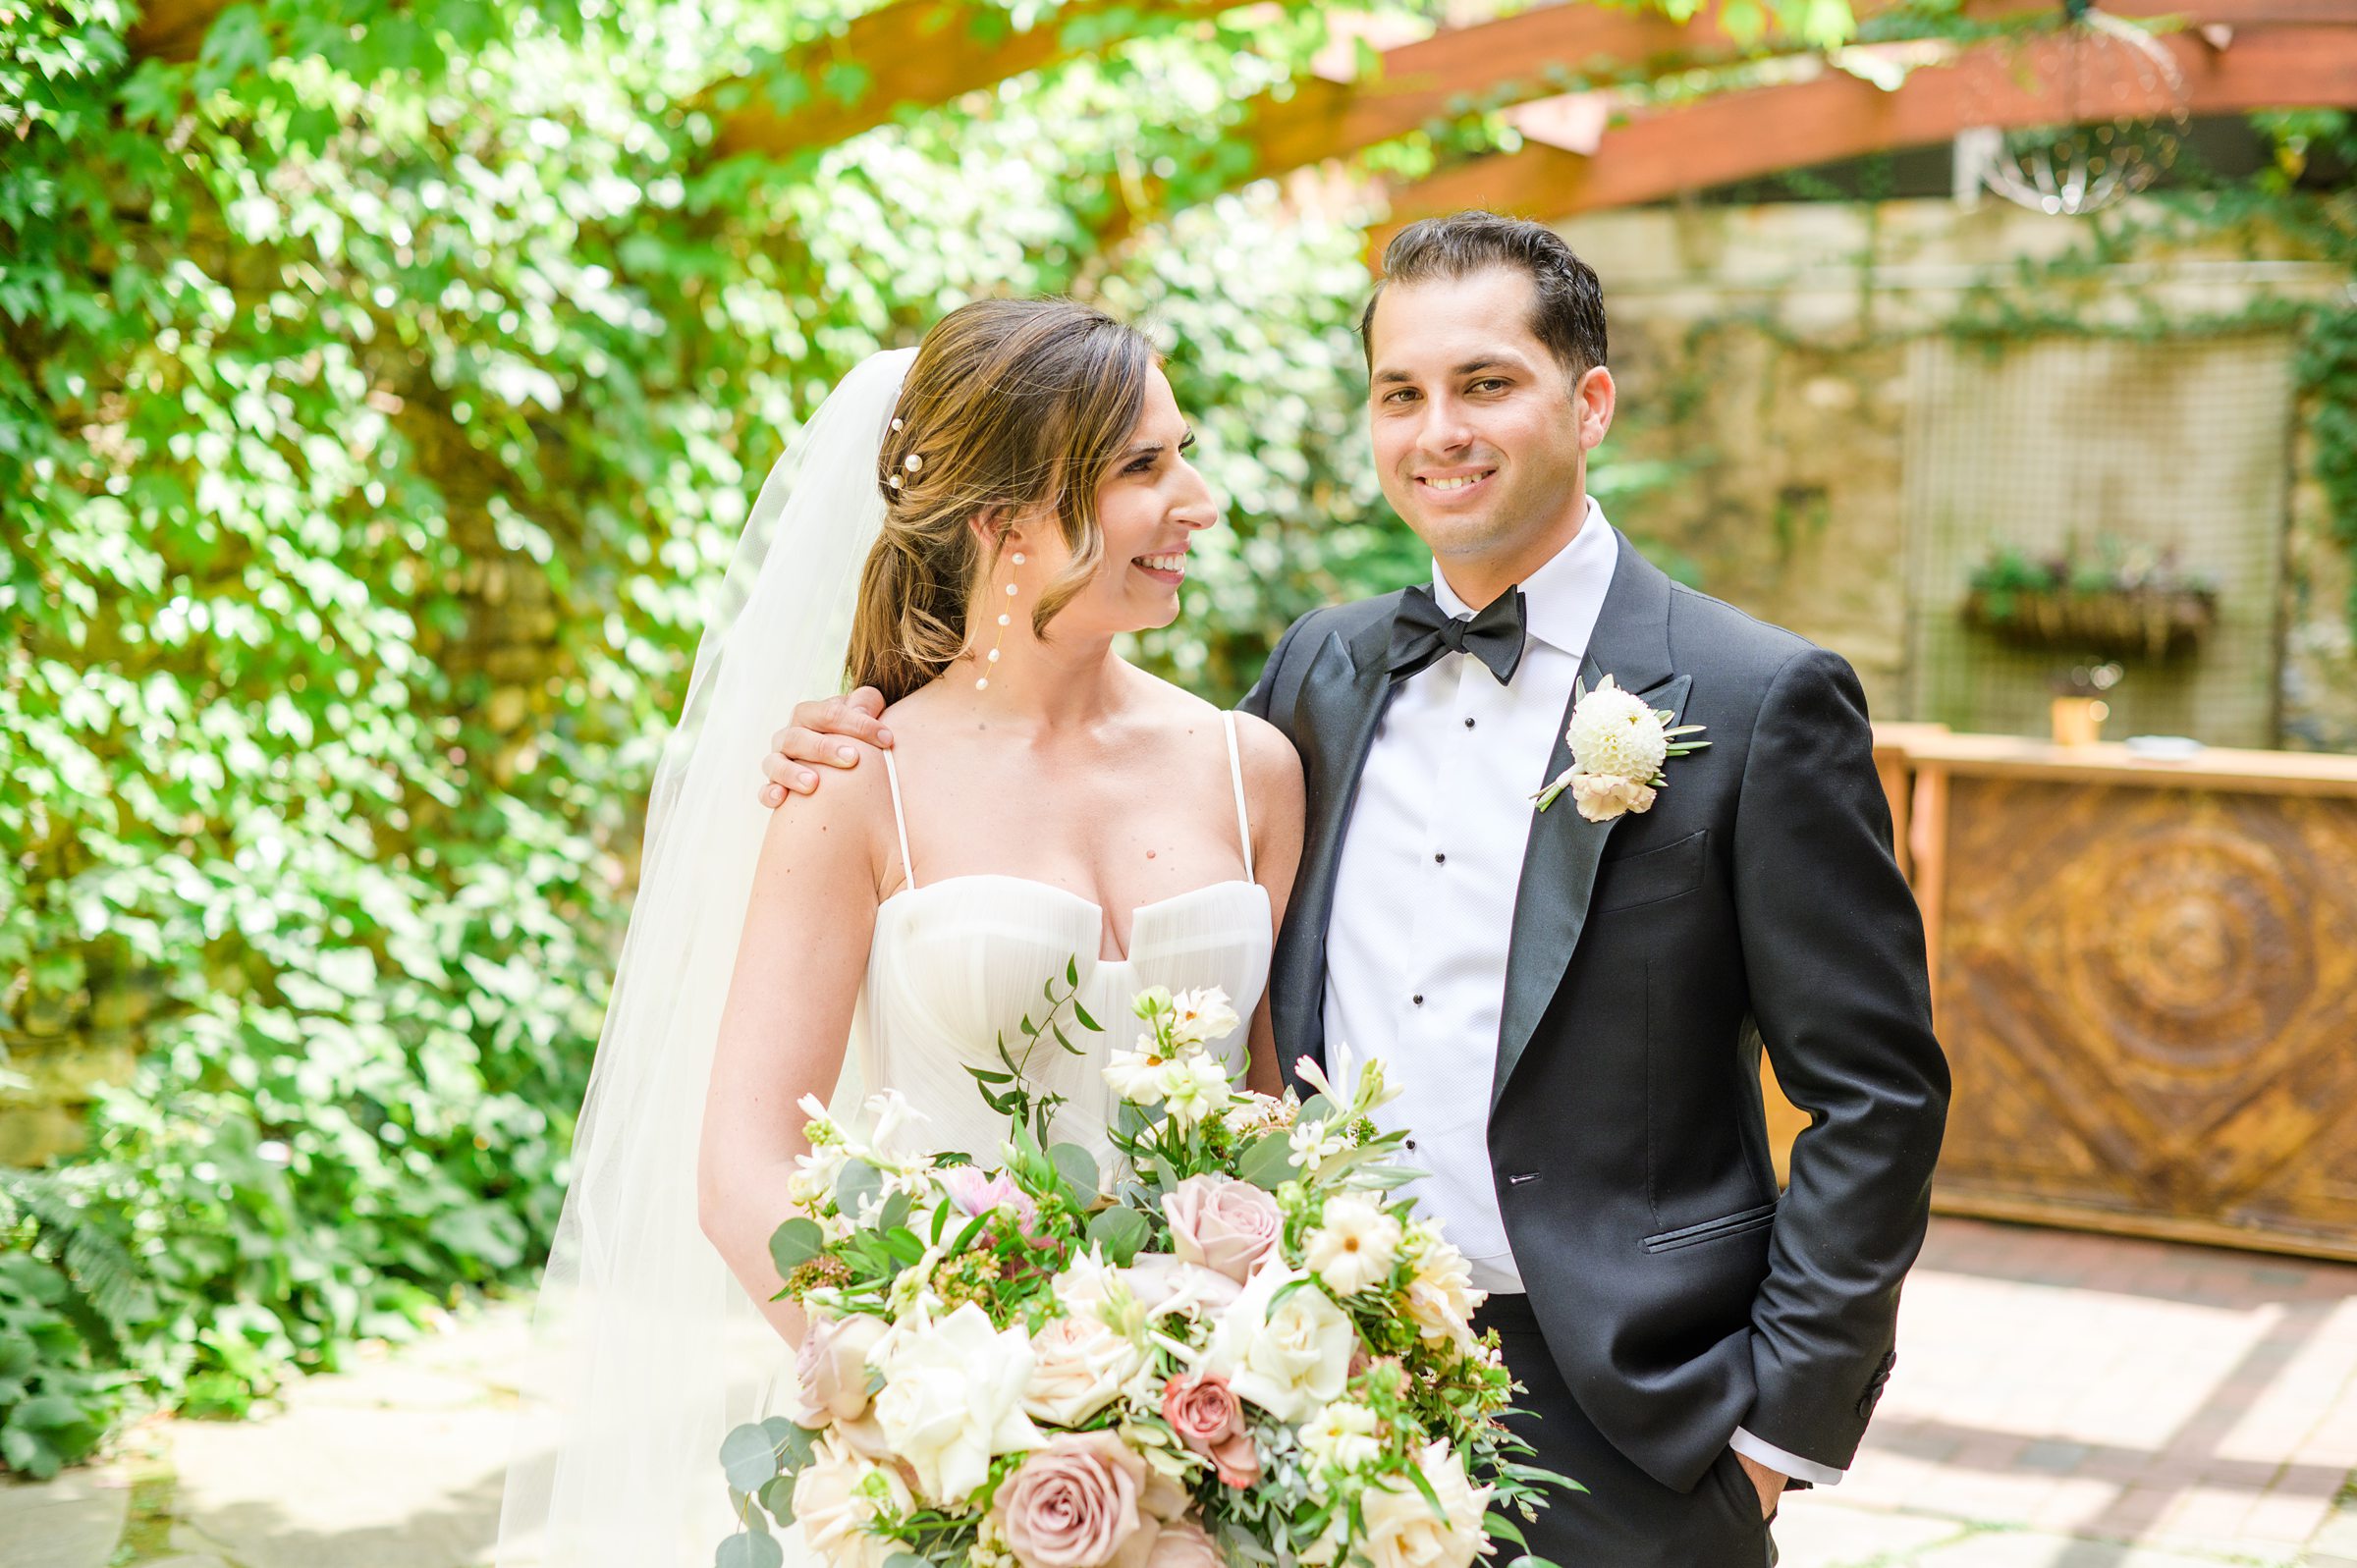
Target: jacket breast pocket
[(1742, 1222), (1653, 874)]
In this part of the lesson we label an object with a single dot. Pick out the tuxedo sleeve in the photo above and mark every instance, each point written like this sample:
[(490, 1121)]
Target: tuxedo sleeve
[(1260, 702), (1834, 947)]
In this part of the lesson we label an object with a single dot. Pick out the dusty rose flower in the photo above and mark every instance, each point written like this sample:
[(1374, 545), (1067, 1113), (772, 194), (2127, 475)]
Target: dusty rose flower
[(1208, 1420), (1222, 1224), (1184, 1545), (1072, 1503), (831, 1367), (1601, 797)]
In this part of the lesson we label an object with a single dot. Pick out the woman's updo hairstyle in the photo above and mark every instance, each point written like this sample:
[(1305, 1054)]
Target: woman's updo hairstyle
[(1012, 404)]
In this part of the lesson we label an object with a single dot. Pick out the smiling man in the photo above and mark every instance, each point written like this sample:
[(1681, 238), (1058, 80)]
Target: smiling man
[(1575, 1007), (1575, 1000)]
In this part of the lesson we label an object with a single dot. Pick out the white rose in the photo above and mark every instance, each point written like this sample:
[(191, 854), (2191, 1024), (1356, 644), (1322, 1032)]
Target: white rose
[(1194, 1087), (1353, 1247), (1401, 1528), (1079, 1366), (836, 1496), (953, 1397), (1288, 1359), (1340, 1435)]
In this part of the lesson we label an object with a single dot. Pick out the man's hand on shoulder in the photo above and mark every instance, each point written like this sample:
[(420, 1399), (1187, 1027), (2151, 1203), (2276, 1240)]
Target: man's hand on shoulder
[(815, 740)]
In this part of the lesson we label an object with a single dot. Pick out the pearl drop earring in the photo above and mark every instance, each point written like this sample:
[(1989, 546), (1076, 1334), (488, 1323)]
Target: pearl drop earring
[(982, 683)]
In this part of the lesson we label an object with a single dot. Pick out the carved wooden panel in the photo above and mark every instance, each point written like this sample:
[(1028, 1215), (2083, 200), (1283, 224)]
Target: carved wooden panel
[(2149, 998)]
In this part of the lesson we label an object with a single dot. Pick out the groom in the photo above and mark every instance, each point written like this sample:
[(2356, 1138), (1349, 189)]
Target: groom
[(1575, 1007)]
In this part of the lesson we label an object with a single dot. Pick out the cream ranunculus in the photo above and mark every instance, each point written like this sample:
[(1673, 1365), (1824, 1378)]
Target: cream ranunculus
[(1440, 1297), (1079, 1366), (953, 1397), (1287, 1358), (1341, 1435), (1354, 1245), (836, 1495), (1404, 1533)]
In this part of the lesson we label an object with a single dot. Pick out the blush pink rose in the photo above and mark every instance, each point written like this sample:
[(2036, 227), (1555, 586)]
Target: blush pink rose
[(1208, 1420), (1222, 1224), (831, 1367), (1184, 1545), (1073, 1503)]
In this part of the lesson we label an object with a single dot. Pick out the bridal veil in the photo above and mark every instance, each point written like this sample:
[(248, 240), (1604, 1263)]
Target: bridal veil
[(646, 1350)]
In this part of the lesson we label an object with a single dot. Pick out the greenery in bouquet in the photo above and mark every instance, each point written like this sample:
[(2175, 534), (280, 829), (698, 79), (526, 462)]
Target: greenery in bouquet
[(1236, 1346)]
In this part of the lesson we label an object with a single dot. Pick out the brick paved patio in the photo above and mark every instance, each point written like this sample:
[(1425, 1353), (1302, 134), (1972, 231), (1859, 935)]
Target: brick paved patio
[(2061, 1401)]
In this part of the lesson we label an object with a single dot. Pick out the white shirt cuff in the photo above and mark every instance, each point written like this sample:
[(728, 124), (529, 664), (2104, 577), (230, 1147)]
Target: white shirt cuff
[(1783, 1463)]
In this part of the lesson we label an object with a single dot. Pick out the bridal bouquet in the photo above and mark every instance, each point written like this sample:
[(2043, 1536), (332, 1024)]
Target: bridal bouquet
[(1238, 1350)]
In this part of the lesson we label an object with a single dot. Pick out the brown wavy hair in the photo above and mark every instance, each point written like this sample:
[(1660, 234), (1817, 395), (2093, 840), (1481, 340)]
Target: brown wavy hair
[(1011, 404)]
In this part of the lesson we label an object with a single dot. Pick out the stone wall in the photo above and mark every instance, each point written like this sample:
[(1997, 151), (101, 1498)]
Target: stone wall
[(1771, 361)]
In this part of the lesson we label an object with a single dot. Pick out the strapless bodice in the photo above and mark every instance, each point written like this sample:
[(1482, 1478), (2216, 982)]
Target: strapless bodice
[(957, 963)]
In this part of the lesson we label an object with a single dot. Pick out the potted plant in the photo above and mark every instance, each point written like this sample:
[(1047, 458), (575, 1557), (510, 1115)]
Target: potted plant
[(2117, 599)]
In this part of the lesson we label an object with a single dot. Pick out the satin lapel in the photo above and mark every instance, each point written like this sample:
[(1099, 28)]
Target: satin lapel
[(1340, 702), (1631, 644)]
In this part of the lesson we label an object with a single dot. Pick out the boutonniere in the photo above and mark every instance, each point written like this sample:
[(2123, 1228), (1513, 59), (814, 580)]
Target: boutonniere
[(1617, 749)]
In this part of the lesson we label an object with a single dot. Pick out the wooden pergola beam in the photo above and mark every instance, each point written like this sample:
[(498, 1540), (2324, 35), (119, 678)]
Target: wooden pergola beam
[(1837, 115), (925, 52)]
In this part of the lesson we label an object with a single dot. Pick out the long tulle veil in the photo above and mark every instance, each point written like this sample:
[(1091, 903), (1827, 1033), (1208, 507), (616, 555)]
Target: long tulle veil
[(646, 1350)]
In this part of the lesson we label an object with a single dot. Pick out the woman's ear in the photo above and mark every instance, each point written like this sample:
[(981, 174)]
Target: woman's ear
[(991, 530)]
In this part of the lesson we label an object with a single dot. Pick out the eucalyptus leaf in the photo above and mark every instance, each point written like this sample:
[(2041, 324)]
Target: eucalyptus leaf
[(750, 1551), (858, 1182), (1120, 1232), (749, 1457), (794, 1243), (1268, 1161), (1078, 1168)]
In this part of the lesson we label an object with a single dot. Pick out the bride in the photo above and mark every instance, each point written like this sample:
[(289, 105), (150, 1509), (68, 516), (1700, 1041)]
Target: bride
[(1010, 498)]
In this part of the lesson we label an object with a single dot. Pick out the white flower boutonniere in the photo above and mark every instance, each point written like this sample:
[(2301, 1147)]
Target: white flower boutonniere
[(1617, 749)]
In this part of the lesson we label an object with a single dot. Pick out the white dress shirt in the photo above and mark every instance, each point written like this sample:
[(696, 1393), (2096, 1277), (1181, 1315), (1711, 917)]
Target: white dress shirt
[(1424, 899)]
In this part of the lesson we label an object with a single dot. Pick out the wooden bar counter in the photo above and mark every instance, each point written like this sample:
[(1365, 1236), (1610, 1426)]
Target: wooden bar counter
[(2145, 975)]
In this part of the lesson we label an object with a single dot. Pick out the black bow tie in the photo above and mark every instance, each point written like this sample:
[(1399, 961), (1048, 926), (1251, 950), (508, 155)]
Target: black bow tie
[(1421, 633)]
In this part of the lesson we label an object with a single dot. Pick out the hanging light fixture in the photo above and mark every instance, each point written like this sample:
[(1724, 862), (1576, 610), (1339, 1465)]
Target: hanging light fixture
[(2120, 114)]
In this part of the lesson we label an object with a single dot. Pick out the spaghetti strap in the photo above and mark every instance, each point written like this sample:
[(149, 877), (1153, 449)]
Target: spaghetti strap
[(1236, 771), (900, 820)]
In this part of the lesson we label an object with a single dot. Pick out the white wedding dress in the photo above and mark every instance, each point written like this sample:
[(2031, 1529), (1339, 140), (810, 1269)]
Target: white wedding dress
[(957, 963)]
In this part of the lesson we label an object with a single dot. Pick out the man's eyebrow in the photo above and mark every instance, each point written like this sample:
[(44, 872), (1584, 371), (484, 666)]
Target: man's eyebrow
[(1470, 368)]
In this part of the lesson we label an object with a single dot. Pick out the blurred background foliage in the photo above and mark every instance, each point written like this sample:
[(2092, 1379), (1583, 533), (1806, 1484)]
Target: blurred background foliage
[(381, 388)]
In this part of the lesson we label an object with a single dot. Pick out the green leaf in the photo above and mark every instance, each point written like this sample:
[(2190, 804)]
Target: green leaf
[(792, 1444), (778, 1498), (794, 1243), (1268, 1163), (749, 1551), (1317, 1108), (1120, 1232), (858, 1182), (1078, 1168), (749, 1457), (1080, 1016)]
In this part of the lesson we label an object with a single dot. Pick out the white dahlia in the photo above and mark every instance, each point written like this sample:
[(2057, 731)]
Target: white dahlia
[(1614, 733)]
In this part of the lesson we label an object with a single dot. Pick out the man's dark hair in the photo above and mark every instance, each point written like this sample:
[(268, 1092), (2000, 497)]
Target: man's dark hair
[(1568, 317)]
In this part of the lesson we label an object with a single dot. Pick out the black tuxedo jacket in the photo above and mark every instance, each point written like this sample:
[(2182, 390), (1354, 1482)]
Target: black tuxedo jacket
[(1650, 957)]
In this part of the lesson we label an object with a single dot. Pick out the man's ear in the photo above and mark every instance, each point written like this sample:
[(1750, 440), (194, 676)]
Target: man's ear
[(1594, 399)]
